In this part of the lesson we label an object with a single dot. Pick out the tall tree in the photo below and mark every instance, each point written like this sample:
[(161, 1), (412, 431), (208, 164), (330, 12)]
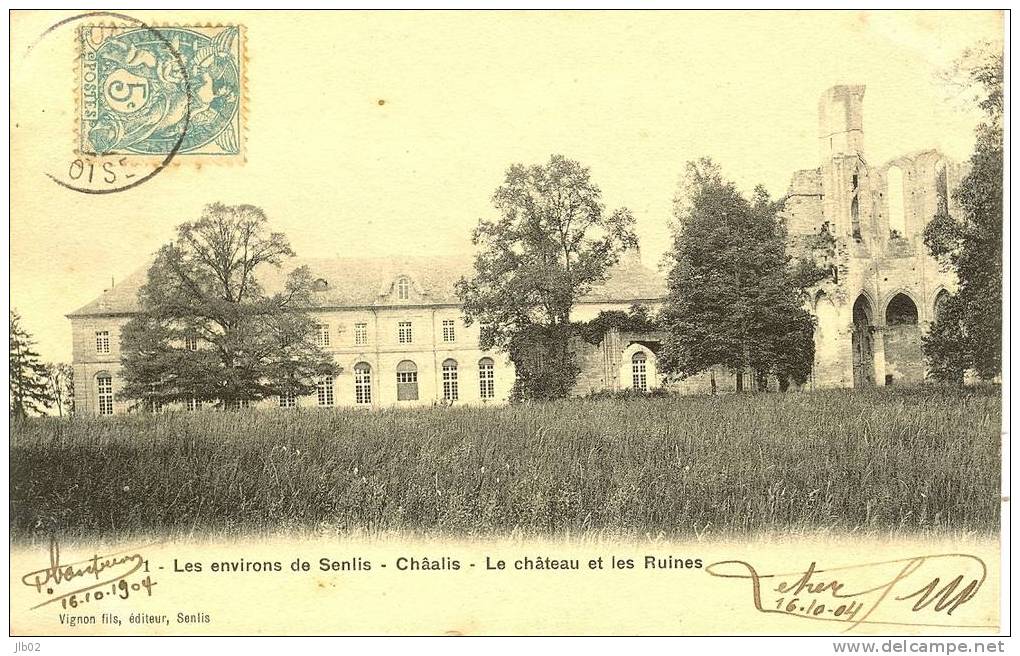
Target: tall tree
[(208, 331), (29, 384), (552, 241), (60, 378), (733, 299), (967, 333)]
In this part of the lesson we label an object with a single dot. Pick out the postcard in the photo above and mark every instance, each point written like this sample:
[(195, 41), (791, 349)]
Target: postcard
[(508, 323)]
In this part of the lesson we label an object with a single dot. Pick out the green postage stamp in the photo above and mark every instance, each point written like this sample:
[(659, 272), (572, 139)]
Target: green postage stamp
[(161, 91)]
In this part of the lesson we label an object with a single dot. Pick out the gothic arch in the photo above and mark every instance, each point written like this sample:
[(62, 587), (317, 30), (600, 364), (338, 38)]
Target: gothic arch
[(901, 340), (892, 296), (865, 297)]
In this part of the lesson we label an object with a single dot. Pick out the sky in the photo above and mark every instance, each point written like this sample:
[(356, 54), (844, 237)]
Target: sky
[(377, 134)]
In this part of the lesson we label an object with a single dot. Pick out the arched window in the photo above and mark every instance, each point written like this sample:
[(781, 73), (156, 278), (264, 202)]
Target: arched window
[(897, 213), (639, 370), (450, 380), (362, 383), (104, 393), (407, 381), (486, 378), (900, 311), (403, 288)]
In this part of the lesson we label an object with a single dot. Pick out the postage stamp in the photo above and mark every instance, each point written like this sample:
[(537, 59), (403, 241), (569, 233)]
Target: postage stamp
[(161, 91)]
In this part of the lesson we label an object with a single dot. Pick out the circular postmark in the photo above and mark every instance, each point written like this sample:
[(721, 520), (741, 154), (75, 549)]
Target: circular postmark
[(88, 169)]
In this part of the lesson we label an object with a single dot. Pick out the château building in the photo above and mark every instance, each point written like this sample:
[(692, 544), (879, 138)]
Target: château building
[(394, 326)]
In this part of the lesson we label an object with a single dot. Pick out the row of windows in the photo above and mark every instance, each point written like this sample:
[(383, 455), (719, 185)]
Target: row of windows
[(405, 335), (407, 383), (407, 386)]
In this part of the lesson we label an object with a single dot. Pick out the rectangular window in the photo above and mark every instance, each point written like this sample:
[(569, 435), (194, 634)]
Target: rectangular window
[(404, 332), (322, 334), (192, 404), (191, 343), (360, 334), (325, 391), (102, 341), (449, 334), (288, 400), (104, 389)]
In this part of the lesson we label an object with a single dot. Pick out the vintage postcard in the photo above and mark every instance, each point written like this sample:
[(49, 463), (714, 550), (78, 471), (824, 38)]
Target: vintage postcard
[(510, 323)]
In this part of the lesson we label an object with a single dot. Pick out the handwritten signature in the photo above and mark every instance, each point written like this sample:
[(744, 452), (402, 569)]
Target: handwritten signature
[(918, 591), (92, 579)]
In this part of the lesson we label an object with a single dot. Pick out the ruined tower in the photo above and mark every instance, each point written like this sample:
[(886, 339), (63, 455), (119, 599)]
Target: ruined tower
[(884, 286)]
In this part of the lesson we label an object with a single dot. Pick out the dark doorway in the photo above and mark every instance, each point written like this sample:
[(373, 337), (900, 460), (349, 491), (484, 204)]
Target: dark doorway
[(863, 343)]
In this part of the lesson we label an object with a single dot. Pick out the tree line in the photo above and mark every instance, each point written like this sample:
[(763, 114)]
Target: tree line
[(36, 386)]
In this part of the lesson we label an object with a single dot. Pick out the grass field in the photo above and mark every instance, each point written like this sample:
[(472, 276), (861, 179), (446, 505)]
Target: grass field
[(923, 460)]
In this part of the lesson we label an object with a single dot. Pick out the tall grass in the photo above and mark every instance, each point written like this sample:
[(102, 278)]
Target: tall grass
[(912, 460)]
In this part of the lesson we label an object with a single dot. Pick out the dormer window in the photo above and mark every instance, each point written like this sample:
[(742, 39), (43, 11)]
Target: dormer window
[(403, 289)]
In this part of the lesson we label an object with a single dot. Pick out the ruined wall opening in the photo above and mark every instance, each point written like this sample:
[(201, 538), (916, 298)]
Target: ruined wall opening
[(894, 194), (863, 343), (901, 310), (942, 191), (902, 340)]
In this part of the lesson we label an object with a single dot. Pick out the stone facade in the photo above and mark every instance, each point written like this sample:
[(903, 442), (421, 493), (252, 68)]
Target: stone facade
[(395, 328)]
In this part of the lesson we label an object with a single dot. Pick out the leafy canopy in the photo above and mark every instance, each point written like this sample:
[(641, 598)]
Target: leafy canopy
[(967, 333), (733, 299), (208, 331), (552, 241)]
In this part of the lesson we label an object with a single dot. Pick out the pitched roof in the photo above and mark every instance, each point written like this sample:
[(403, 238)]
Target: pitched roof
[(366, 282)]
